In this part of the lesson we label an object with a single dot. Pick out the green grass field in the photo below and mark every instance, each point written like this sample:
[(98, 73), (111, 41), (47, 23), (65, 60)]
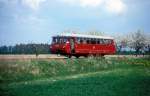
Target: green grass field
[(76, 77)]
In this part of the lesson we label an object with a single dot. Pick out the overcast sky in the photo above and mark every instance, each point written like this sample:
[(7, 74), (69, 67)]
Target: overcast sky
[(26, 21)]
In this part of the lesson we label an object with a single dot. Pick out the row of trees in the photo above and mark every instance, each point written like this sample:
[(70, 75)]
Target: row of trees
[(25, 49), (137, 42)]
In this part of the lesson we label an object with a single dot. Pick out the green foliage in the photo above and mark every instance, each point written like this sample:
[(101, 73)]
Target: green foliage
[(14, 71), (76, 77), (25, 49), (115, 83)]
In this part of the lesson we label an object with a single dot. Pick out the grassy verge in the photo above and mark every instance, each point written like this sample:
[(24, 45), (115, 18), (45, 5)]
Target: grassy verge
[(76, 77)]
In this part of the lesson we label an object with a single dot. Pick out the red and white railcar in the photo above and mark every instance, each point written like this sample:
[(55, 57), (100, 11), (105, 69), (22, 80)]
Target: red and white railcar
[(82, 45)]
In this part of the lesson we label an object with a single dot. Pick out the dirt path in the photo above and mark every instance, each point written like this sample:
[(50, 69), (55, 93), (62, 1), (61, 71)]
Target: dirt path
[(52, 56)]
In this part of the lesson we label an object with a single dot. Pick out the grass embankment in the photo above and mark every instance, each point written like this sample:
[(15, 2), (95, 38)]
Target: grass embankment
[(76, 77)]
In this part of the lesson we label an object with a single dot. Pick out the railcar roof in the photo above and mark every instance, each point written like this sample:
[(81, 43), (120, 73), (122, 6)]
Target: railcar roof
[(83, 36)]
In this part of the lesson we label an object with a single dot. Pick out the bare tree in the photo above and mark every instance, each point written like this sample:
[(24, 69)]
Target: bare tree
[(95, 32), (71, 31), (76, 31), (148, 43), (122, 41)]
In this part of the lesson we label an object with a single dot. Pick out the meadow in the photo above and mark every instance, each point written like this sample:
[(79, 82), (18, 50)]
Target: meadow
[(75, 77)]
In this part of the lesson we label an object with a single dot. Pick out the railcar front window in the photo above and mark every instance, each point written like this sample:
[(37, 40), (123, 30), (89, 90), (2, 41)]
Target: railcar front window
[(78, 40), (57, 40), (64, 40), (54, 40), (61, 40)]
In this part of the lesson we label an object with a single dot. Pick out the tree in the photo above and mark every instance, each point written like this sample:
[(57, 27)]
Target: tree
[(95, 32), (122, 42), (30, 48), (4, 50), (138, 41)]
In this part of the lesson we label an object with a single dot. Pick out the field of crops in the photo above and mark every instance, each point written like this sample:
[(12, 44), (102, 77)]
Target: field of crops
[(75, 77)]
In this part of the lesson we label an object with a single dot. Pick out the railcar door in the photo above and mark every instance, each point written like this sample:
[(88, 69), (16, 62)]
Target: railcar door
[(72, 45)]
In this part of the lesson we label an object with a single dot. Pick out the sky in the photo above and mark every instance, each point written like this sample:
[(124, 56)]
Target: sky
[(35, 21)]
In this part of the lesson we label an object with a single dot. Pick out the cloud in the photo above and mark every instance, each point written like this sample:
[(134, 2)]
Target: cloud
[(90, 3), (113, 6), (84, 3), (71, 2), (33, 4)]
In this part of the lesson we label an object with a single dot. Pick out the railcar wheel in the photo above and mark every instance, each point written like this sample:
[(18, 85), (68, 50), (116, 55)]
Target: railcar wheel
[(77, 56), (102, 56), (58, 55), (69, 56), (86, 56), (90, 56)]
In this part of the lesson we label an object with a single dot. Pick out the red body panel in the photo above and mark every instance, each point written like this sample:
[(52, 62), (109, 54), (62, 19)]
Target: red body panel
[(60, 48), (83, 49), (94, 49)]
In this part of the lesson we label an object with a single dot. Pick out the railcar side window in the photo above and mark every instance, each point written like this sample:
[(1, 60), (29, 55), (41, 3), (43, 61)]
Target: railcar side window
[(104, 40), (107, 41), (88, 41), (84, 40), (112, 41), (81, 40), (98, 41), (93, 41)]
